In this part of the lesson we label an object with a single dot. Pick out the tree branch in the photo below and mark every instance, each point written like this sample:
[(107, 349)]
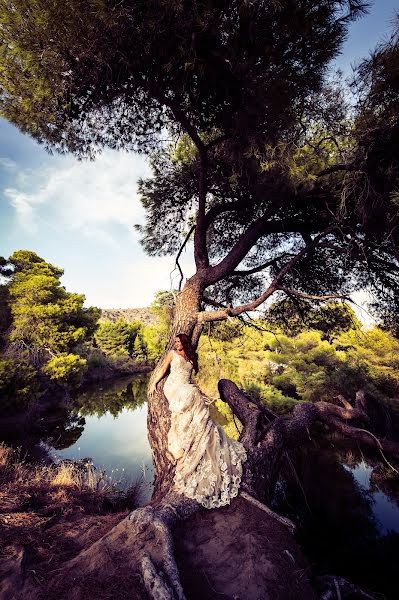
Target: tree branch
[(217, 141), (200, 248), (212, 302), (185, 122), (336, 168), (220, 315), (220, 208), (268, 263), (179, 254), (292, 292), (267, 436), (241, 248)]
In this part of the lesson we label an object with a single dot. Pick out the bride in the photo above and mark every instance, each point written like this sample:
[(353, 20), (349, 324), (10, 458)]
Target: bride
[(208, 462)]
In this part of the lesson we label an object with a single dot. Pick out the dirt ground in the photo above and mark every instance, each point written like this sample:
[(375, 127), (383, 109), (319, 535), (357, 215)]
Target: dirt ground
[(236, 552), (239, 552)]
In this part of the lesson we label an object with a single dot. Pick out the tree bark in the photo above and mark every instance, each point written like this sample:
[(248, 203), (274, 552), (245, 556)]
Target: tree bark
[(158, 419)]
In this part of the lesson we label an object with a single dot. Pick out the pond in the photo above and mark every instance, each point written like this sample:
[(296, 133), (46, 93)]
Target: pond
[(343, 500), (108, 425)]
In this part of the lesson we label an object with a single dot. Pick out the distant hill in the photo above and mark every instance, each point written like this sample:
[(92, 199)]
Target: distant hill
[(129, 314)]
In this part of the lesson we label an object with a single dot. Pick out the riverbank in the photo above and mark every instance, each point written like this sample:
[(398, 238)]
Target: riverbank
[(110, 371), (49, 512), (51, 519)]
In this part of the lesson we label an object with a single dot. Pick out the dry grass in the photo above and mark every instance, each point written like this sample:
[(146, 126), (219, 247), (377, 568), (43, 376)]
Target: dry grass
[(52, 512), (65, 487)]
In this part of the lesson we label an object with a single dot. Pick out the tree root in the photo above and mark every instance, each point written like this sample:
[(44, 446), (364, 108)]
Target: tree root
[(161, 581), (142, 546), (333, 587), (283, 520), (159, 569)]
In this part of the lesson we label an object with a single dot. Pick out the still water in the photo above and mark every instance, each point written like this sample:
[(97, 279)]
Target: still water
[(345, 502), (344, 499), (110, 426)]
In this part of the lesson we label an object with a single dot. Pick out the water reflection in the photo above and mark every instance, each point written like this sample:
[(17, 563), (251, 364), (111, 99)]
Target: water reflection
[(344, 500), (346, 524), (385, 510), (110, 428)]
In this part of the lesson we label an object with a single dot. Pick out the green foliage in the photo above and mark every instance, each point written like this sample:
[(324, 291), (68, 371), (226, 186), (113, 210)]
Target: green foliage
[(44, 315), (163, 307), (225, 331), (274, 399), (72, 77), (242, 88), (5, 314), (117, 338), (18, 384), (232, 426), (293, 315), (284, 370), (153, 338), (67, 369), (42, 327), (140, 351)]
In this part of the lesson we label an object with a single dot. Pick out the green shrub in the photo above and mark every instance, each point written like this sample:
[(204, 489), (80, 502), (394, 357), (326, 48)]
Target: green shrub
[(18, 384), (67, 369), (273, 398)]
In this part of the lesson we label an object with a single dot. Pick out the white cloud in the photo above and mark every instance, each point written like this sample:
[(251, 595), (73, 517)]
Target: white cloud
[(81, 196), (7, 163), (24, 205), (140, 281)]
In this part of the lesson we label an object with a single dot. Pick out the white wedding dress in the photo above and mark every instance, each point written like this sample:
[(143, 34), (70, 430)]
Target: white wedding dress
[(209, 463)]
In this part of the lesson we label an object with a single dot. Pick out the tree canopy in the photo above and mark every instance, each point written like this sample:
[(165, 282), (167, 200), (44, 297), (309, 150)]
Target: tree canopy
[(46, 320), (256, 154), (293, 315)]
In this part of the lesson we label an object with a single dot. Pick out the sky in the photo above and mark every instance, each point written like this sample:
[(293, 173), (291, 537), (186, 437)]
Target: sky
[(79, 215)]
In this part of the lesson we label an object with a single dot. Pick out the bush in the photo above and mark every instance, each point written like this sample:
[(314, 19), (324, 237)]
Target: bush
[(67, 369), (116, 339), (18, 384), (273, 398)]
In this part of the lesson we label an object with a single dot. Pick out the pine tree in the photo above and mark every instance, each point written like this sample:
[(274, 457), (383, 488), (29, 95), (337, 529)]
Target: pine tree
[(140, 351)]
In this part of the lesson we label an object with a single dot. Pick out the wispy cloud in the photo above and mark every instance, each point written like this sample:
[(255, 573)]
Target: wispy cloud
[(7, 163), (81, 196), (24, 205)]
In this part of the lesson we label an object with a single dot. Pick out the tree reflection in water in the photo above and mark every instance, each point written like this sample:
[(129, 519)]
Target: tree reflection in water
[(341, 525), (63, 422)]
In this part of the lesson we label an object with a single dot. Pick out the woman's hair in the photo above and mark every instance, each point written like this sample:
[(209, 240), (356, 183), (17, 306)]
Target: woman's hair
[(189, 350)]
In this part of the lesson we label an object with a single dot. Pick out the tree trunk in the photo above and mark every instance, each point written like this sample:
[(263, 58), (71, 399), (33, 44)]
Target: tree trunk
[(158, 419)]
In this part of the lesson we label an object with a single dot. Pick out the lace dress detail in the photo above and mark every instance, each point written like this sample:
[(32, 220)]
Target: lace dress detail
[(209, 464)]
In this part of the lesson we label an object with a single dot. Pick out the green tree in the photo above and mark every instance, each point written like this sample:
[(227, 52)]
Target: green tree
[(67, 369), (117, 338), (226, 331), (46, 320), (140, 351), (19, 383), (5, 314), (246, 83), (163, 307), (293, 315)]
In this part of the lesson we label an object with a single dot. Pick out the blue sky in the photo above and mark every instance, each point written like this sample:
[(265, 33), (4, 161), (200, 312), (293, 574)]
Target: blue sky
[(79, 215)]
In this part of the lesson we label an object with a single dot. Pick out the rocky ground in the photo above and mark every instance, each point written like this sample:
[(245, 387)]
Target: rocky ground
[(130, 314)]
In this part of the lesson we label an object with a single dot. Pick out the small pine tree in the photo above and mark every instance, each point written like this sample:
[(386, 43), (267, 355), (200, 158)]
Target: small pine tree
[(140, 350), (114, 338)]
